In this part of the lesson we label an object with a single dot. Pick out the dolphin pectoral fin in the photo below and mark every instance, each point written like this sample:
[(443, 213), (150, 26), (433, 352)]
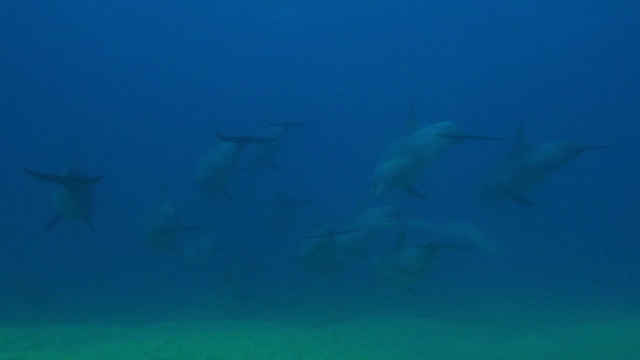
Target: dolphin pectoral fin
[(410, 290), (45, 177), (53, 222), (89, 181), (589, 147), (524, 202), (90, 223), (414, 192), (174, 249), (228, 195)]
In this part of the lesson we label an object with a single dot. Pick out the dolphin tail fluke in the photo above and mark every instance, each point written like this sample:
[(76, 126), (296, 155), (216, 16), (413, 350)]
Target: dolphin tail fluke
[(56, 219), (414, 192), (244, 140)]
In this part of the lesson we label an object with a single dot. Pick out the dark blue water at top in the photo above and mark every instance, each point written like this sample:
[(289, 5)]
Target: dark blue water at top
[(145, 85)]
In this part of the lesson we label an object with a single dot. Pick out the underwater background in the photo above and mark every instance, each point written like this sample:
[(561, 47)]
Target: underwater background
[(139, 91)]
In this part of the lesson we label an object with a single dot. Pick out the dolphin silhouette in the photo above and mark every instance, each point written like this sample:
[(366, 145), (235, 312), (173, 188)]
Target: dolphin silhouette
[(215, 169), (526, 166), (74, 198), (410, 156)]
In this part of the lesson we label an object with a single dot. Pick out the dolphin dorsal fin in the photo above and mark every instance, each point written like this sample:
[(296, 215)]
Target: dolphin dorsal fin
[(401, 240), (411, 124), (520, 145)]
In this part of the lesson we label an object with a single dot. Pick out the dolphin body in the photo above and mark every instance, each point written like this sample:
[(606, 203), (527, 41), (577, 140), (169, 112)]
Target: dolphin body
[(327, 251), (215, 169), (73, 199), (525, 166), (263, 155), (408, 158), (318, 252), (163, 227), (405, 264), (370, 223)]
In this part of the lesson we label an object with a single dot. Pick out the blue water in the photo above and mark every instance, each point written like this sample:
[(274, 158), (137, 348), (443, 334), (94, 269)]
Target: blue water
[(145, 85)]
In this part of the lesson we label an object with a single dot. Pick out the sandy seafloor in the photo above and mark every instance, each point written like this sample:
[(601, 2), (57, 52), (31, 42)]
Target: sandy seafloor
[(560, 333)]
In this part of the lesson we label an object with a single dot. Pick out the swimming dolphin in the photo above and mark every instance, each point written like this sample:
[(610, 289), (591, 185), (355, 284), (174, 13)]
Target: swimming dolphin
[(370, 223), (318, 252), (263, 154), (525, 166), (215, 169), (406, 264), (408, 158), (163, 227), (74, 198)]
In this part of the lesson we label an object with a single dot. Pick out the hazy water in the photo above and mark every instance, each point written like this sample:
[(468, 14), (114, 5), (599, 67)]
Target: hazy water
[(145, 86)]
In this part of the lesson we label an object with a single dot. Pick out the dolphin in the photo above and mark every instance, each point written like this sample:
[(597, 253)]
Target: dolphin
[(371, 223), (163, 227), (405, 264), (215, 169), (410, 156), (73, 199), (318, 252), (525, 166), (263, 154)]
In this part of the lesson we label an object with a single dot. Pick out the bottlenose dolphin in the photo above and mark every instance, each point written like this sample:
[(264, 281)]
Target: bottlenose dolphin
[(406, 264), (73, 199), (525, 166), (370, 223), (318, 252), (215, 169), (163, 227), (263, 154), (408, 158)]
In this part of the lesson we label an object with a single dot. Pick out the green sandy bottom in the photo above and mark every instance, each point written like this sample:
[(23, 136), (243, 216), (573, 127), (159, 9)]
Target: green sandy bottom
[(371, 338)]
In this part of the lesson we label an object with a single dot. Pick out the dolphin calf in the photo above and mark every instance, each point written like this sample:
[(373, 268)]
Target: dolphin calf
[(263, 155), (163, 227), (408, 158), (73, 199), (215, 169), (525, 166), (405, 264)]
